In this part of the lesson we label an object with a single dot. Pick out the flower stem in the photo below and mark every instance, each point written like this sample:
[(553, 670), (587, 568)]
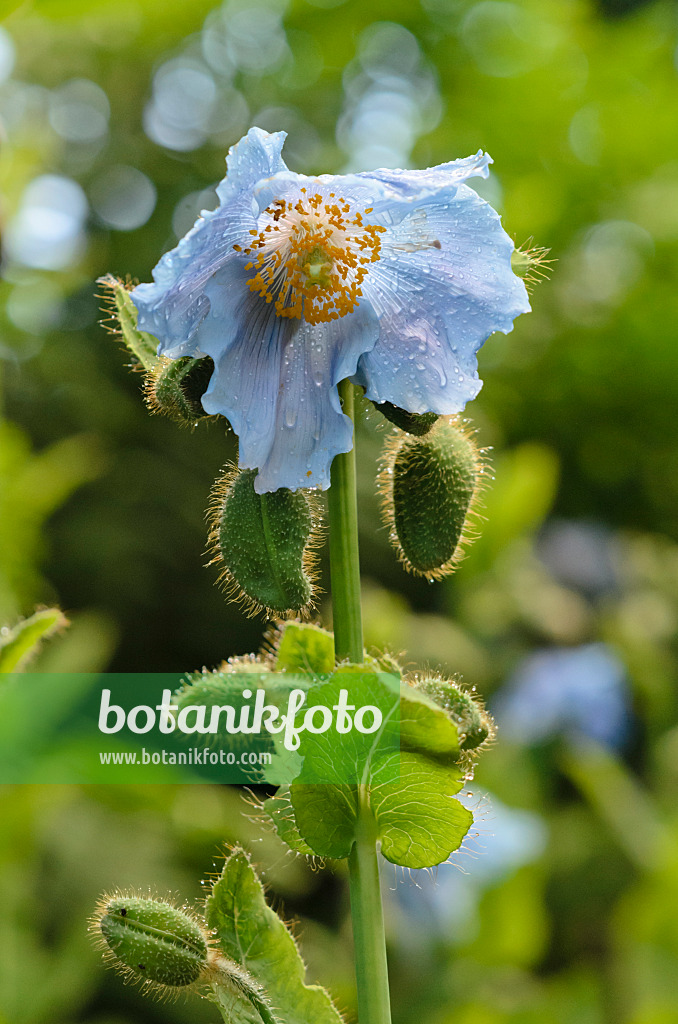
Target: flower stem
[(344, 559), (368, 923), (363, 866)]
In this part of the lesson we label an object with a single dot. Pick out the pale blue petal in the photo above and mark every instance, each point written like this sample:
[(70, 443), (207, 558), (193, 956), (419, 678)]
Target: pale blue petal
[(287, 185), (418, 184), (276, 379), (173, 306), (437, 305), (383, 189)]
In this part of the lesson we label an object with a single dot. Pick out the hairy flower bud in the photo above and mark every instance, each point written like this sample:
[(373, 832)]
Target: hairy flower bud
[(465, 708), (428, 486), (175, 386), (265, 544), (152, 941)]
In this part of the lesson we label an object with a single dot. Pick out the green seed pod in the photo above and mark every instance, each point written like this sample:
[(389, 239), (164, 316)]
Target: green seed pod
[(265, 544), (175, 386), (411, 422), (464, 707), (153, 942), (428, 487)]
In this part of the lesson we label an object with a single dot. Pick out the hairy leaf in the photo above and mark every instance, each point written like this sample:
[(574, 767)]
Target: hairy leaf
[(249, 932)]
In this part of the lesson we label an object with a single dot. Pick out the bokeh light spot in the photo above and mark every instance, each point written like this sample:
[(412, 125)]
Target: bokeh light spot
[(47, 230), (123, 197), (79, 111)]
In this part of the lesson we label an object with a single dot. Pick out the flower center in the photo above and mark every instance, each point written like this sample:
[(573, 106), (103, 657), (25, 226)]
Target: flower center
[(312, 256)]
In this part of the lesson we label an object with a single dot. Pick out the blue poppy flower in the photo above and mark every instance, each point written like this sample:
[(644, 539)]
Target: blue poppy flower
[(391, 278), (575, 691)]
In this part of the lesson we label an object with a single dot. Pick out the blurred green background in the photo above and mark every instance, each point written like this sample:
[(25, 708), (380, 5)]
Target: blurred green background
[(114, 121)]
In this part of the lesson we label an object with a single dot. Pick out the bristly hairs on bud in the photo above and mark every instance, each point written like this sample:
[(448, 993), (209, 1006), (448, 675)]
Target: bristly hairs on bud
[(174, 388), (453, 528), (180, 951), (530, 262), (176, 958), (278, 582), (463, 704)]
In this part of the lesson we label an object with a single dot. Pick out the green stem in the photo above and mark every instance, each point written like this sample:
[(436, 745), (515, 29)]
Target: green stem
[(363, 866), (344, 561), (368, 924)]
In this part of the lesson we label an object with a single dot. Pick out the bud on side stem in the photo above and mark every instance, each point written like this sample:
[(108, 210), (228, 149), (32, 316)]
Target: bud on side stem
[(466, 709), (175, 387), (428, 487), (166, 949), (151, 941), (265, 544)]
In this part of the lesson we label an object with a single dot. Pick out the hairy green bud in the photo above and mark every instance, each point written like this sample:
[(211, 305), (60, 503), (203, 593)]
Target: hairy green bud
[(410, 422), (428, 487), (151, 941), (465, 708), (265, 544), (175, 387)]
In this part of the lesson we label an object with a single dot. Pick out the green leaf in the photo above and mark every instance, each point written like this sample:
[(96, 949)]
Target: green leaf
[(281, 812), (21, 643), (419, 822), (323, 795), (338, 756), (425, 728), (249, 932), (303, 647), (409, 788)]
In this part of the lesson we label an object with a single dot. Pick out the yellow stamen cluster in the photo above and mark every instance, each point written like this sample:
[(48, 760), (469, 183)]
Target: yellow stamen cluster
[(312, 256)]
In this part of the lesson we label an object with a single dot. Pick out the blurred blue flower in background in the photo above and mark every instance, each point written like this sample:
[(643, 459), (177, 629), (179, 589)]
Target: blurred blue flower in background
[(580, 554), (444, 903), (391, 278), (576, 691)]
